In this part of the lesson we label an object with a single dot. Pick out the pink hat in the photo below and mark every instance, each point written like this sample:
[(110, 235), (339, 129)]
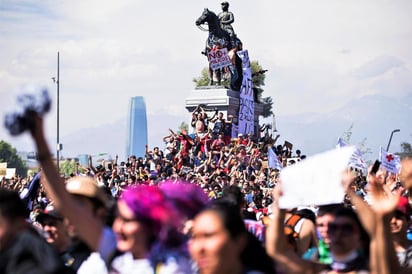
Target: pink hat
[(404, 207)]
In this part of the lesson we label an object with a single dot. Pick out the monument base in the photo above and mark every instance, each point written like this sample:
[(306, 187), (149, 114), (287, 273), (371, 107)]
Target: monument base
[(222, 99)]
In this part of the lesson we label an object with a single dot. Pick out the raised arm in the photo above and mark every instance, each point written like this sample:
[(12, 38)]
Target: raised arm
[(363, 209), (406, 173), (90, 163), (88, 227), (277, 246), (382, 249)]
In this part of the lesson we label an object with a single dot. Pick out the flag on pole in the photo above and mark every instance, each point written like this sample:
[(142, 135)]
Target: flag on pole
[(273, 160), (390, 162), (29, 193), (356, 160), (341, 143)]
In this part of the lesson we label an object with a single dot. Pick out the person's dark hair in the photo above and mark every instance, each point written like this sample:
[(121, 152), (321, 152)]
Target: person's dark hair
[(328, 209), (350, 213), (229, 214), (254, 256), (256, 188), (11, 206), (234, 194), (307, 214)]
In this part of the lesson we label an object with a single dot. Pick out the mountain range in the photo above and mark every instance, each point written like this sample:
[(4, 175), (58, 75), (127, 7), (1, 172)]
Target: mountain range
[(366, 122)]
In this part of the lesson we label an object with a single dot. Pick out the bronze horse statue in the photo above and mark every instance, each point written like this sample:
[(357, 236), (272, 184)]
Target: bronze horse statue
[(220, 38)]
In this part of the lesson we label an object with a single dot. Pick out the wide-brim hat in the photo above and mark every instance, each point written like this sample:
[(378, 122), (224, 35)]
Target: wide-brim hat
[(86, 186)]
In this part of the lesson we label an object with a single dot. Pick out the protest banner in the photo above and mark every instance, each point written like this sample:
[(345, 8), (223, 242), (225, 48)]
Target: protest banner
[(246, 103), (315, 181)]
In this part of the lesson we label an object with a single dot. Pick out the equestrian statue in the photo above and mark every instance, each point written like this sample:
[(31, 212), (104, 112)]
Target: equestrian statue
[(221, 36)]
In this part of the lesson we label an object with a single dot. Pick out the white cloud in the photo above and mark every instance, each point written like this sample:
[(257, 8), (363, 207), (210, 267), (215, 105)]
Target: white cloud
[(378, 66)]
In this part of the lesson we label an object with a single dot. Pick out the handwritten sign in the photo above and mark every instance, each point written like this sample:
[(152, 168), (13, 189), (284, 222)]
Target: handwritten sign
[(218, 58)]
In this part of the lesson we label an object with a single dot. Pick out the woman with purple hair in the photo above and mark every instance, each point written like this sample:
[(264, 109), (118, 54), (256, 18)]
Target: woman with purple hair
[(147, 238), (187, 198), (145, 227)]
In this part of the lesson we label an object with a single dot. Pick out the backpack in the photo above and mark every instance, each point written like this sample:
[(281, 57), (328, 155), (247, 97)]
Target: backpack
[(289, 230)]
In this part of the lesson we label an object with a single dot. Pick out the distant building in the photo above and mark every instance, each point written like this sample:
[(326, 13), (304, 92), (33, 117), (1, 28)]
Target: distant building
[(83, 159), (30, 158), (137, 127)]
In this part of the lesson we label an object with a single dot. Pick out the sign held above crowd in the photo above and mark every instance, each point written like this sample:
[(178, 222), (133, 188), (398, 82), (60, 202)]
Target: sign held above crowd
[(317, 180)]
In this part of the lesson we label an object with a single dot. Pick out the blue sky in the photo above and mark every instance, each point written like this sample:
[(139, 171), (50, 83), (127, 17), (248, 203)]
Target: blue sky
[(319, 54)]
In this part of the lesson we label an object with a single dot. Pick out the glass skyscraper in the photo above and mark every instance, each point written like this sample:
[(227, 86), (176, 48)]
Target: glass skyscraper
[(137, 128)]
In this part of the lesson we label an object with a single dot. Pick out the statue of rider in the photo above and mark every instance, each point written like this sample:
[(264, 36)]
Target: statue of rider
[(226, 19)]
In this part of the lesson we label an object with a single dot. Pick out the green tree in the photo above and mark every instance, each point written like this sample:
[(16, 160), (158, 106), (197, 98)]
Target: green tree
[(203, 80), (267, 107), (258, 80), (9, 155), (406, 150), (68, 167), (184, 126)]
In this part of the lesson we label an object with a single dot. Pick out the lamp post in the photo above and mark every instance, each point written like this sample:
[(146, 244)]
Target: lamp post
[(274, 129), (390, 138), (58, 145)]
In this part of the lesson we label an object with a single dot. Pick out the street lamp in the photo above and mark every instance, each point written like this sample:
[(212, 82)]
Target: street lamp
[(274, 129), (390, 138), (57, 82)]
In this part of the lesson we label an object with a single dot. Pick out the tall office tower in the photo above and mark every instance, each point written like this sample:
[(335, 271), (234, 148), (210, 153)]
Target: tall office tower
[(137, 128)]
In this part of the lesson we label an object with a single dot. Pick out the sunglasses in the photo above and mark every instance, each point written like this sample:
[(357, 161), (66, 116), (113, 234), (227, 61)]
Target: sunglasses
[(345, 229)]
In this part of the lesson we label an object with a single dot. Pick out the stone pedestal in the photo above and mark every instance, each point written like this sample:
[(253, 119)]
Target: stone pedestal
[(222, 99)]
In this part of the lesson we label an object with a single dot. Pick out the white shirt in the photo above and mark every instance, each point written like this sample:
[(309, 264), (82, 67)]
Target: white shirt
[(126, 264)]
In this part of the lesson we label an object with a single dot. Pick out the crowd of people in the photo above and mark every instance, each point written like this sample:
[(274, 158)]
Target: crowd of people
[(207, 203)]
